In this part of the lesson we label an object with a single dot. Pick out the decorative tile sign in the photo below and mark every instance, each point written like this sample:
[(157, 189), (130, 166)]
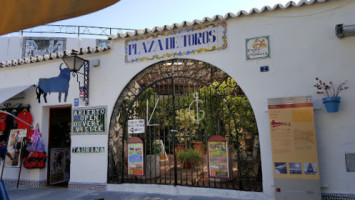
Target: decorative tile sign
[(89, 120), (175, 43), (258, 47), (88, 149)]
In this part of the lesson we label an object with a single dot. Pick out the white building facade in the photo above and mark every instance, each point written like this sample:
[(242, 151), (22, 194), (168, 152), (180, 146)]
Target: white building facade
[(270, 53)]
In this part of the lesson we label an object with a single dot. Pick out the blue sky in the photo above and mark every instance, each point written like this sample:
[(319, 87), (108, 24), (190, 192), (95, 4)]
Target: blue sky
[(140, 14)]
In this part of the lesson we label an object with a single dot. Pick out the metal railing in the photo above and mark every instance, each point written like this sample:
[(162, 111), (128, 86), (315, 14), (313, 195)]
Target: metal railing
[(75, 30)]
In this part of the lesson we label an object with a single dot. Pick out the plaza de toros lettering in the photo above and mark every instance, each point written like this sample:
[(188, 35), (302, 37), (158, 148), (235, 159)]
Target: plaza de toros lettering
[(177, 43)]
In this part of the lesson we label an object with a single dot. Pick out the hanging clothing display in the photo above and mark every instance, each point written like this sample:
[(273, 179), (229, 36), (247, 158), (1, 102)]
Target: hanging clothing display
[(24, 116), (3, 117)]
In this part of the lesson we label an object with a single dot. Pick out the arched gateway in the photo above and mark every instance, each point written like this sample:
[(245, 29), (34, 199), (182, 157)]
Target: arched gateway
[(184, 103)]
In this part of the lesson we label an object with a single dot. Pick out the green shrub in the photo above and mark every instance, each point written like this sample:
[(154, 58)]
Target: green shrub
[(190, 155)]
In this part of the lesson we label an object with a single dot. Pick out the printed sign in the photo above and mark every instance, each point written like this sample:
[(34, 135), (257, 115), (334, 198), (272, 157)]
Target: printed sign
[(293, 139), (135, 157), (175, 43), (14, 147), (218, 158), (136, 126), (89, 120), (258, 47)]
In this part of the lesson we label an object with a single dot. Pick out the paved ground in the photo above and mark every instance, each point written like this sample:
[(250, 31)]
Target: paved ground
[(29, 193)]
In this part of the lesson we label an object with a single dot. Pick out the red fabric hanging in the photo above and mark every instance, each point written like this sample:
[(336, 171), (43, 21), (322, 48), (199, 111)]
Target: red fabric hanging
[(24, 116), (3, 117)]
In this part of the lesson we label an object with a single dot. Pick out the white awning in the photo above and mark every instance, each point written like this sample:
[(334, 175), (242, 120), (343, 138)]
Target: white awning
[(8, 93)]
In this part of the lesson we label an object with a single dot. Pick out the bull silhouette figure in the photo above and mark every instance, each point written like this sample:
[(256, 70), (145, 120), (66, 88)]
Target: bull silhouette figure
[(58, 84)]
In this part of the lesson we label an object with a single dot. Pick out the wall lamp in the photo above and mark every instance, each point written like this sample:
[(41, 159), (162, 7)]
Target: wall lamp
[(344, 30), (74, 64)]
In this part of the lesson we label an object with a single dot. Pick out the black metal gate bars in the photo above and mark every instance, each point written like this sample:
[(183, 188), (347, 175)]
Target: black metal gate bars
[(184, 103)]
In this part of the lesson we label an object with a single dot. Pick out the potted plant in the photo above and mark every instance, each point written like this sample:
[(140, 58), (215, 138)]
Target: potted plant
[(189, 158), (330, 92)]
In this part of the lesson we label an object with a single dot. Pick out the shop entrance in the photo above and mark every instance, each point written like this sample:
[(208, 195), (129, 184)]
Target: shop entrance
[(184, 103), (59, 146)]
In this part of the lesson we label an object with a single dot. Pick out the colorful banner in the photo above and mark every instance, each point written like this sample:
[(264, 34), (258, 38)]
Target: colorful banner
[(135, 157), (218, 158), (293, 138)]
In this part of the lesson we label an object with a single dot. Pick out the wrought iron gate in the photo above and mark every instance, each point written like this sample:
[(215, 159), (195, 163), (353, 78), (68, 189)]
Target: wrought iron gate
[(184, 103)]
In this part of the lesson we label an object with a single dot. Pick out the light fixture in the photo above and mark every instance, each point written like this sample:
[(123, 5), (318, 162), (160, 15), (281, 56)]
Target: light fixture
[(344, 30), (74, 64)]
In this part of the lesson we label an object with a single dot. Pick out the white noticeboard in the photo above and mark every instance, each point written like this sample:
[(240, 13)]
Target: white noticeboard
[(136, 126)]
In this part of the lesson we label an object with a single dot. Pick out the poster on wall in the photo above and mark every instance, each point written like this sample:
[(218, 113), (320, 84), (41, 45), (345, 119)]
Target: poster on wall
[(42, 46), (293, 139), (218, 158), (89, 121), (135, 157), (57, 166), (14, 147), (258, 47)]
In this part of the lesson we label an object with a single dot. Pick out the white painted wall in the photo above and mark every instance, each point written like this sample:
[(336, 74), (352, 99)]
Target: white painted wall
[(10, 48), (303, 46)]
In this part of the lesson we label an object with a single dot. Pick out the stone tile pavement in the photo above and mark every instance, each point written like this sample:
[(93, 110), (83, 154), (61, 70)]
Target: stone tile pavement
[(52, 193)]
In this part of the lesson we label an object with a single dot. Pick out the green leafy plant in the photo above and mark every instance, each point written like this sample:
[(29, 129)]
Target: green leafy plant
[(187, 127), (191, 156)]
